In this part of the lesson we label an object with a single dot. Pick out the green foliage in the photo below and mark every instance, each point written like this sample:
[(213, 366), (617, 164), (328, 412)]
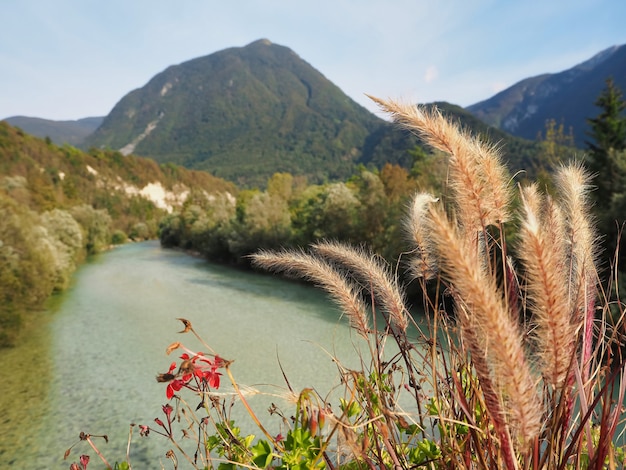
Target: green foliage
[(366, 208), (29, 265), (59, 204), (96, 227), (118, 237), (66, 243), (141, 231), (608, 135), (229, 444), (606, 159)]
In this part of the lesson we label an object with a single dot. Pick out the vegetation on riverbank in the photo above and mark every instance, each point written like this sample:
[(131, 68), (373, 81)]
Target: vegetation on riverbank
[(59, 205), (525, 374)]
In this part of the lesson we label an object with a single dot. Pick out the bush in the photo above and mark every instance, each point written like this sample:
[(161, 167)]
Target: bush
[(96, 225), (28, 266), (118, 237), (66, 243)]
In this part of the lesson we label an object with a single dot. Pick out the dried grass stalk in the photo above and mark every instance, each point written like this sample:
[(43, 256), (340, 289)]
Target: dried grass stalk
[(423, 264), (542, 250), (573, 181), (500, 335), (370, 269), (477, 177), (300, 264)]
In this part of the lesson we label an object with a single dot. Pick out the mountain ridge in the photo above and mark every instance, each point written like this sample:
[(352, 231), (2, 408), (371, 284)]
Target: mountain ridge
[(567, 97), (219, 113), (72, 132), (245, 113)]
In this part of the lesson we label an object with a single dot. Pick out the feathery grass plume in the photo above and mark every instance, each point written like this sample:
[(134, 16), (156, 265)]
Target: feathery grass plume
[(344, 293), (500, 335), (477, 175), (474, 343), (370, 269), (422, 264), (542, 250), (574, 184)]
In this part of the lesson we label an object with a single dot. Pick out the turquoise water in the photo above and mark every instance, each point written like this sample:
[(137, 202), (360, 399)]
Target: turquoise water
[(90, 365)]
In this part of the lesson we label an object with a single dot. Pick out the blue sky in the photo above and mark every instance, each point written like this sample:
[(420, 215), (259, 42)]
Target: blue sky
[(67, 59)]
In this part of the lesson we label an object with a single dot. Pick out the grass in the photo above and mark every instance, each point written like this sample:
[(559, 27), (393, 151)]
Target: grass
[(519, 366)]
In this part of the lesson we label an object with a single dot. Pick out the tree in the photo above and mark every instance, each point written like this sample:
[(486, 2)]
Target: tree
[(607, 161), (608, 136)]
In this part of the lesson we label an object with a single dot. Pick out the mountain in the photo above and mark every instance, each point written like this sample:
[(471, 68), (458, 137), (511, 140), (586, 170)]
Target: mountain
[(242, 113), (567, 97), (388, 144), (60, 132)]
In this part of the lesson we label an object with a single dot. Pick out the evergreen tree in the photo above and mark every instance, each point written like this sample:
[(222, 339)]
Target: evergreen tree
[(607, 161), (608, 136)]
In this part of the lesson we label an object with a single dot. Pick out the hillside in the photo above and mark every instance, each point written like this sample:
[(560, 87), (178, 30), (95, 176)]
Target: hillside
[(243, 114), (567, 97), (388, 144), (59, 204), (59, 132), (60, 177)]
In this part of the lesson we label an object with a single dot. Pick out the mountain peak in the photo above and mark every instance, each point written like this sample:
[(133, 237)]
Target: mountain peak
[(568, 97), (243, 113), (260, 42), (600, 57)]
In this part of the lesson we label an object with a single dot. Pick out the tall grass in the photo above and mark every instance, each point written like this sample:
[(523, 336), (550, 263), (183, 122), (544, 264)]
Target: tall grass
[(524, 377), (517, 366)]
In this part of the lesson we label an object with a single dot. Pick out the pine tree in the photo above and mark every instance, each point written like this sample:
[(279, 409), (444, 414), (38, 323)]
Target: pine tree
[(608, 138), (607, 160)]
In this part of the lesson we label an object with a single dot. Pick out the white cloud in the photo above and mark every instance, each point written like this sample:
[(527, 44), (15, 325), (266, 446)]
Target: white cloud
[(497, 87), (432, 73)]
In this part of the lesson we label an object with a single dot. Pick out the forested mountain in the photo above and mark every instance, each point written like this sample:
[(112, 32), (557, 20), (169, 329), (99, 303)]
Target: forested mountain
[(59, 204), (567, 97), (242, 113), (59, 132), (245, 113)]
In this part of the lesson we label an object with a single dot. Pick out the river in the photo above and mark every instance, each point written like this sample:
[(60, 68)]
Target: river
[(90, 364)]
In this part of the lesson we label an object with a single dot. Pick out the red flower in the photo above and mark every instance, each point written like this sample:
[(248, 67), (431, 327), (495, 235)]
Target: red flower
[(173, 387), (213, 379), (193, 366)]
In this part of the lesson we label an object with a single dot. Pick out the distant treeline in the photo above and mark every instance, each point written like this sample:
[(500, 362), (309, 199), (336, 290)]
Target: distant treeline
[(368, 210)]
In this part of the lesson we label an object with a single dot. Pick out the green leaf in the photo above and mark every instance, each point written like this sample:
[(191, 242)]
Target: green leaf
[(262, 454)]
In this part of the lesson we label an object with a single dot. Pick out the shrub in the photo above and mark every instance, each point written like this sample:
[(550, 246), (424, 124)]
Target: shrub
[(96, 225), (66, 242), (118, 237)]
